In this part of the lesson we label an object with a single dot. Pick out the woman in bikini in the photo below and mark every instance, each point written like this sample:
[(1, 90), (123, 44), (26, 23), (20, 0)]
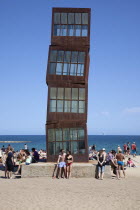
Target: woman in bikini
[(69, 161)]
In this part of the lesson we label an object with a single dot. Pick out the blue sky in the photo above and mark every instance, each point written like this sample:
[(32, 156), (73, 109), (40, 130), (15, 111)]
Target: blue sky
[(114, 78)]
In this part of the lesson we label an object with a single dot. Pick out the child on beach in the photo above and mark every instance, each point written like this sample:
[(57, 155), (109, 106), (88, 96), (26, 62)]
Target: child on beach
[(130, 163)]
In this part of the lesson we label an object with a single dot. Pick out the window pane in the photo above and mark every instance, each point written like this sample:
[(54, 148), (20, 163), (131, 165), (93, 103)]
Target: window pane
[(59, 106), (81, 57), (70, 18), (74, 147), (52, 93), (66, 135), (77, 30), (74, 57), (58, 147), (56, 30), (70, 30), (51, 148), (59, 68), (81, 147), (84, 18), (60, 56), (66, 67), (63, 18), (74, 107), (58, 133), (63, 30), (81, 93), (67, 56), (77, 18), (66, 146), (52, 67), (56, 18), (73, 69), (60, 93), (81, 106), (67, 93), (52, 105), (80, 70), (51, 134), (84, 30), (73, 134), (53, 55), (67, 106), (81, 134), (75, 93)]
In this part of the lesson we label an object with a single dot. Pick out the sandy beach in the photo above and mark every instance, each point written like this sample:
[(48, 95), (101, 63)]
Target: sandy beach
[(76, 193)]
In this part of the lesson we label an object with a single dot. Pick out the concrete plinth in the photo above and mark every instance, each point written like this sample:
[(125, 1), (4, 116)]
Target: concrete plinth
[(86, 170)]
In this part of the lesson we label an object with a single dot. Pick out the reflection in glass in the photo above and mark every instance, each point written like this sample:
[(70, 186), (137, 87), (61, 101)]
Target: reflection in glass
[(81, 147), (81, 57), (84, 30), (73, 133), (66, 67), (52, 67), (58, 147), (84, 18), (81, 134), (73, 69), (66, 146), (67, 106), (67, 93), (67, 56), (51, 134), (51, 146), (52, 93), (81, 93), (57, 30), (81, 106), (74, 147), (77, 18), (75, 93), (63, 18), (56, 18), (59, 68), (80, 70), (70, 30), (53, 55), (63, 30), (77, 30), (74, 57), (74, 107), (58, 133), (52, 105), (59, 106), (60, 93), (60, 56), (66, 136), (70, 18)]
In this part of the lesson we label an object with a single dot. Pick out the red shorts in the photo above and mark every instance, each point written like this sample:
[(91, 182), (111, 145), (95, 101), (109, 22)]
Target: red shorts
[(68, 164)]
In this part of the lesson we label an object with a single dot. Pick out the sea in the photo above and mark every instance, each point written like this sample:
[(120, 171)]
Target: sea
[(108, 142)]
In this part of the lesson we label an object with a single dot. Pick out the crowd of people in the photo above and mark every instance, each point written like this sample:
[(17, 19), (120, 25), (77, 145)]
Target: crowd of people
[(13, 160), (116, 159)]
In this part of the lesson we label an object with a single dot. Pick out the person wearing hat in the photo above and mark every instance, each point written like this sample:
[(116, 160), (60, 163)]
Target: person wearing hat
[(101, 157), (133, 148)]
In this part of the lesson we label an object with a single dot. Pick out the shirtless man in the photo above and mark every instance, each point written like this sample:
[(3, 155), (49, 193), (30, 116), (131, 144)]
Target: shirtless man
[(120, 157), (61, 163)]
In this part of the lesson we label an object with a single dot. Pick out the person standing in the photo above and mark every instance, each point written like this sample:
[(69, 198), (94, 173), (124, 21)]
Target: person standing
[(9, 164), (125, 149), (128, 148), (120, 158), (69, 161), (134, 149), (61, 164), (25, 146), (101, 157)]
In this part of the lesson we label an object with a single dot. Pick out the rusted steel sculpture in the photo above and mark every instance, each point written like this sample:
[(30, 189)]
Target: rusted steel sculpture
[(67, 80)]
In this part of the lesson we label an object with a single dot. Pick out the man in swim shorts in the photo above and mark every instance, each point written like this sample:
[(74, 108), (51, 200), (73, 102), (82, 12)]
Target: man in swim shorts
[(133, 148), (61, 163), (120, 157)]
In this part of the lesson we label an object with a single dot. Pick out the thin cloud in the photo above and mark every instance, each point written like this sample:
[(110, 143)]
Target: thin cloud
[(132, 110)]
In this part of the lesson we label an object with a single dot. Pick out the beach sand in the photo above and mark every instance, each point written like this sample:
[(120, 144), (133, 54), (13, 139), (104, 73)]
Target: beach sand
[(76, 193)]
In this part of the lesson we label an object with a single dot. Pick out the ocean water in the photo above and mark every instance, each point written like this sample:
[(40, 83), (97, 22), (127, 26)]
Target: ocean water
[(108, 142)]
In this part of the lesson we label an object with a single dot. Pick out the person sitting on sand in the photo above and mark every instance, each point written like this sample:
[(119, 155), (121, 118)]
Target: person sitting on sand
[(28, 158), (120, 157), (69, 161), (101, 157), (35, 156), (130, 163), (61, 163)]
